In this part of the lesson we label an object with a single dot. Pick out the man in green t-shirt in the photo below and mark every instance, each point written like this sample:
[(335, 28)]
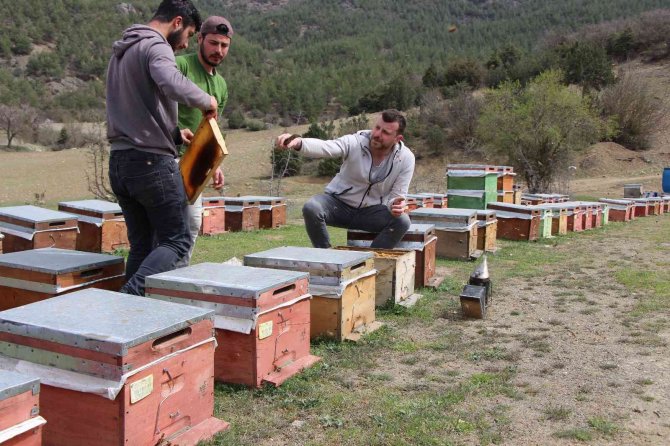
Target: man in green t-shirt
[(200, 67)]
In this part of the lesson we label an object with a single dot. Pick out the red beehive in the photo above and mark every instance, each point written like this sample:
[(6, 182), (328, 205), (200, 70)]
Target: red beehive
[(213, 216), (422, 200), (641, 207), (20, 422), (116, 369), (517, 222), (242, 213), (619, 210), (273, 212), (665, 200), (262, 318), (419, 238), (439, 200), (31, 227), (102, 227), (410, 204), (38, 274)]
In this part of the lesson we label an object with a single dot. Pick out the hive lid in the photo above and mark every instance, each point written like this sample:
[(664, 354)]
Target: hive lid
[(256, 198), (12, 384), (241, 201), (474, 292), (294, 257), (100, 320), (447, 213), (420, 228), (34, 214), (224, 280), (56, 261), (99, 206)]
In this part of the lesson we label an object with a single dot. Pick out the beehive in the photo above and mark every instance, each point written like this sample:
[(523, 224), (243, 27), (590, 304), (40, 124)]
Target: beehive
[(395, 274), (456, 230), (242, 213), (619, 210), (32, 227), (410, 204), (575, 216), (213, 216), (633, 190), (102, 227), (262, 318), (665, 200), (642, 207), (1, 238), (471, 189), (487, 229), (654, 205), (342, 284), (559, 221), (439, 200), (419, 238), (517, 222), (116, 369), (273, 212), (422, 200), (20, 422), (34, 275)]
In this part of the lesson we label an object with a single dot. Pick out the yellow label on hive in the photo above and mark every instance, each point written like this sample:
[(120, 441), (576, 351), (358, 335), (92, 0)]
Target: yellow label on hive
[(205, 213), (141, 389), (265, 330)]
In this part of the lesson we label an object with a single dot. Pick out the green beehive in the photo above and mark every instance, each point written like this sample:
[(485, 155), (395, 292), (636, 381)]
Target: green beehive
[(546, 216), (471, 189)]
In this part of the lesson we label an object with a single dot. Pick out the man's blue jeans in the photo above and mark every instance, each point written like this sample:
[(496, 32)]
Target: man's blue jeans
[(151, 194), (323, 210)]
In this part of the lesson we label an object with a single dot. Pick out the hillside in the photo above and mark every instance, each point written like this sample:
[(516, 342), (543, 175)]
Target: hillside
[(290, 58)]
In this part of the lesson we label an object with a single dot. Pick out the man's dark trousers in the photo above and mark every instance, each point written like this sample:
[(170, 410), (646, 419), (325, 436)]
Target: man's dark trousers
[(151, 194)]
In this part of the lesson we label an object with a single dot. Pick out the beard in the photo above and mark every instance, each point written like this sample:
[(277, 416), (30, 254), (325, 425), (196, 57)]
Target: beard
[(175, 39), (206, 59)]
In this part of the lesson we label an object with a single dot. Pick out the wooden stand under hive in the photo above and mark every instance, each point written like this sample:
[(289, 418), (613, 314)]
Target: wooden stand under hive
[(262, 318), (342, 284), (213, 216), (35, 275), (20, 422), (102, 227), (419, 238), (242, 214), (395, 275), (487, 230), (115, 369), (31, 227), (273, 212), (517, 222), (456, 230)]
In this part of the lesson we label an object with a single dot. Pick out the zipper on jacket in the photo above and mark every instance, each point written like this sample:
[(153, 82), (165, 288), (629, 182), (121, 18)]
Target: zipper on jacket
[(367, 191)]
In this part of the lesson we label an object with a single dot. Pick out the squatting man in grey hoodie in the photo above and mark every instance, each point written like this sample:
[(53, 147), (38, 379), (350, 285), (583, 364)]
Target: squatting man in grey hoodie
[(368, 193), (143, 89)]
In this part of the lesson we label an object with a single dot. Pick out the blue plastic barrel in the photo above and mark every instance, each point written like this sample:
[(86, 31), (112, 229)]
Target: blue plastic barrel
[(666, 180)]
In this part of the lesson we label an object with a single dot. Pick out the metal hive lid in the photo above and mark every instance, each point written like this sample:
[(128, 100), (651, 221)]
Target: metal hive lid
[(224, 280), (35, 214), (100, 320), (257, 198), (56, 261), (420, 228), (12, 384), (289, 256), (100, 206), (444, 212)]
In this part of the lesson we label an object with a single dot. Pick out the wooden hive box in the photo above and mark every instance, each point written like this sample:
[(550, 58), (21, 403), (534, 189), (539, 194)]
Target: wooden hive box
[(641, 207), (517, 222), (456, 230), (395, 274), (575, 216), (20, 422), (422, 200), (439, 200), (487, 229), (32, 227), (665, 201), (633, 190), (262, 318), (505, 178), (273, 212), (342, 285), (619, 210), (589, 215), (213, 216), (559, 218), (505, 196), (654, 206), (102, 227), (35, 275), (419, 238), (473, 301), (116, 369), (471, 189), (2, 236), (242, 214), (410, 204)]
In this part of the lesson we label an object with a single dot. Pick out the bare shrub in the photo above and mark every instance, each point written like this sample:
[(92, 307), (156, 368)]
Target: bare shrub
[(637, 112), (462, 119), (97, 174)]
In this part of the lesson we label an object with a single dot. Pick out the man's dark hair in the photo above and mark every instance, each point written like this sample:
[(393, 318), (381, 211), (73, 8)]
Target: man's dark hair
[(169, 9), (393, 115)]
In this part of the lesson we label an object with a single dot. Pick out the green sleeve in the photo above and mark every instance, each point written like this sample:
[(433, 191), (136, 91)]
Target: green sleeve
[(182, 65), (224, 97)]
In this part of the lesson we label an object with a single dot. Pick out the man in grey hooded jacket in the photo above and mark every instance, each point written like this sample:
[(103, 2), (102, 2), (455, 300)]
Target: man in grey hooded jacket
[(368, 193), (143, 88)]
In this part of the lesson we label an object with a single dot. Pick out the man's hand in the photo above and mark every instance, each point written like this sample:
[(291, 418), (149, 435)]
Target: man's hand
[(288, 141), (218, 179), (186, 136), (398, 206), (212, 111)]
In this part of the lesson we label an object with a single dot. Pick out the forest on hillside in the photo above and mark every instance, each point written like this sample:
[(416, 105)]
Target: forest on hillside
[(290, 60)]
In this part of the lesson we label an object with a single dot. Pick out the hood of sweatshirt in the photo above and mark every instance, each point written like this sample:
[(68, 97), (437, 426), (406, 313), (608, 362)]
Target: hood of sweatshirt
[(133, 35)]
